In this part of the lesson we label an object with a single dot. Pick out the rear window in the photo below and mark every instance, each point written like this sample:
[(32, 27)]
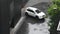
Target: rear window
[(30, 10)]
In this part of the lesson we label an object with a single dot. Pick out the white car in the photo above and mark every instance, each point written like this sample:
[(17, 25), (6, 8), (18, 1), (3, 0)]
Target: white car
[(31, 11)]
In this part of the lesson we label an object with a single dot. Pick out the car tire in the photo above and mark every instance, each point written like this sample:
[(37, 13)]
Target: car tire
[(37, 17), (42, 18), (26, 14)]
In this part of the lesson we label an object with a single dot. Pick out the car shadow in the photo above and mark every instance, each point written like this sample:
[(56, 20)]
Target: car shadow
[(34, 20), (29, 19)]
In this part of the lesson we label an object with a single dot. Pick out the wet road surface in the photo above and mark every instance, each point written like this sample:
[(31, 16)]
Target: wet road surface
[(31, 24)]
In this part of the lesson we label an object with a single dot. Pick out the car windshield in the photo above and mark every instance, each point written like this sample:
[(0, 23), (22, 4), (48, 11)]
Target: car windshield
[(38, 11)]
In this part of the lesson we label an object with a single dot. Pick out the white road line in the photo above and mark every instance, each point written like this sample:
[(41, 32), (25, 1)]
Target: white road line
[(18, 25)]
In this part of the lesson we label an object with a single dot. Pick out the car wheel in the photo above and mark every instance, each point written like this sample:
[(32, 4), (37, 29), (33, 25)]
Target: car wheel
[(43, 18), (26, 14), (37, 17)]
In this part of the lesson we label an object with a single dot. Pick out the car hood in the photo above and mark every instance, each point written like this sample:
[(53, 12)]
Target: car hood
[(41, 14)]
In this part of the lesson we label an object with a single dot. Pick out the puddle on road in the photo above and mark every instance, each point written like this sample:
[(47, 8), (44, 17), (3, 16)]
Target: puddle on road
[(33, 28), (38, 29)]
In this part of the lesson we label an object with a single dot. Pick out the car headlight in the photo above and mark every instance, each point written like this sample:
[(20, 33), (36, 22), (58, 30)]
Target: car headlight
[(43, 15)]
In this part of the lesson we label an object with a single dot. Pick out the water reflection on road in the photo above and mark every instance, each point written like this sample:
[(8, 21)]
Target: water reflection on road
[(32, 25)]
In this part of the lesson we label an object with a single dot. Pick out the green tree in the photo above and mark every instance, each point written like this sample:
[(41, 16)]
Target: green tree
[(54, 12)]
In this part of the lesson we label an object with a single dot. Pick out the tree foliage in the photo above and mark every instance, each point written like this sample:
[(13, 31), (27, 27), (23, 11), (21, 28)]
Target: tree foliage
[(54, 12)]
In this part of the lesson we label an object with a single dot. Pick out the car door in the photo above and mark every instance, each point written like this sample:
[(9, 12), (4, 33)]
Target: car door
[(31, 12)]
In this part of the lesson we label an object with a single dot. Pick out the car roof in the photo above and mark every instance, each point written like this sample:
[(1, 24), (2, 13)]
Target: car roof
[(32, 8)]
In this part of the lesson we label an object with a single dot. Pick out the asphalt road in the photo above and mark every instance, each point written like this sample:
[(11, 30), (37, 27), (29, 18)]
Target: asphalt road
[(25, 28), (34, 2), (29, 24)]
